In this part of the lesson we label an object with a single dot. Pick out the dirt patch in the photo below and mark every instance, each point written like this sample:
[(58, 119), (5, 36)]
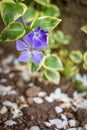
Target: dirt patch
[(27, 101)]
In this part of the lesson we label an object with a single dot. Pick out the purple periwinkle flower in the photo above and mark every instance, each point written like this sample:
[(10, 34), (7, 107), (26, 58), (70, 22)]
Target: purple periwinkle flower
[(33, 42)]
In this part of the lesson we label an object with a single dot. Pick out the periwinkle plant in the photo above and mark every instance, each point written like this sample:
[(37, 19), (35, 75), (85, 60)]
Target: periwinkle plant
[(29, 24)]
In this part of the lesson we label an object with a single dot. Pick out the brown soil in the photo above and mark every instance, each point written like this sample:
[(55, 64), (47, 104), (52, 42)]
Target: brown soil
[(34, 114)]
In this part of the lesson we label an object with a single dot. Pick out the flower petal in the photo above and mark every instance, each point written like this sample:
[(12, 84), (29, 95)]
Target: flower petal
[(43, 38), (20, 45), (43, 31), (37, 57), (37, 29), (24, 57), (38, 44), (29, 38)]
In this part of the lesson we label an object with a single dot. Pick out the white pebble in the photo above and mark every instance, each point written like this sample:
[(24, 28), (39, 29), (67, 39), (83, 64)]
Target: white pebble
[(72, 123), (63, 117), (58, 91), (83, 104), (65, 123), (38, 100), (49, 99), (10, 122), (3, 110), (48, 124), (58, 109), (25, 74), (34, 128), (31, 85), (79, 128), (57, 122), (9, 104), (85, 126), (42, 94), (72, 129), (53, 96)]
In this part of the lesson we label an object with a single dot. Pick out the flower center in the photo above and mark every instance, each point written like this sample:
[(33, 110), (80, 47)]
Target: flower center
[(36, 34), (31, 49)]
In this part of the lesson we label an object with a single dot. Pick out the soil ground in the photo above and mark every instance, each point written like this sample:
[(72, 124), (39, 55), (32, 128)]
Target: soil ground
[(26, 89)]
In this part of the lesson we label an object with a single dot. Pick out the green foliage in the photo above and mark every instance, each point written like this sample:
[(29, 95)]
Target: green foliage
[(42, 13), (61, 38), (52, 62), (12, 32), (43, 2), (31, 14), (85, 66), (10, 11), (76, 56), (52, 76), (85, 57), (34, 68), (51, 10), (85, 61), (84, 29), (17, 1), (46, 22)]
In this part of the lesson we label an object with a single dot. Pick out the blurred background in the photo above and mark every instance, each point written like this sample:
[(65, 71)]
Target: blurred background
[(74, 16)]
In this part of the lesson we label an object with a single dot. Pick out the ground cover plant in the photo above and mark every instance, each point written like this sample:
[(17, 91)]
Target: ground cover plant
[(41, 87)]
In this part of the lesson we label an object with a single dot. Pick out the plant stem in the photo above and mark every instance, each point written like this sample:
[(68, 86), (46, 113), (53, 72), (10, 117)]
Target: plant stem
[(28, 29)]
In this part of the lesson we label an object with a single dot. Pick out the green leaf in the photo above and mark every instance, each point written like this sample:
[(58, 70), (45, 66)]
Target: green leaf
[(51, 10), (34, 68), (46, 22), (10, 11), (64, 52), (61, 38), (31, 14), (66, 39), (74, 70), (52, 62), (12, 32), (85, 57), (76, 56), (84, 29), (17, 1), (85, 66), (43, 2), (52, 76)]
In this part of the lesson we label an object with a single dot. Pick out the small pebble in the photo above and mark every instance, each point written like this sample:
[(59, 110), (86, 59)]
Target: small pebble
[(34, 128), (49, 99), (33, 91), (83, 104), (31, 84), (72, 129), (58, 109), (3, 80), (38, 100), (10, 123), (26, 129), (57, 122), (25, 75), (42, 94), (85, 126), (72, 123), (30, 101), (48, 124), (79, 128), (63, 117), (3, 110)]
